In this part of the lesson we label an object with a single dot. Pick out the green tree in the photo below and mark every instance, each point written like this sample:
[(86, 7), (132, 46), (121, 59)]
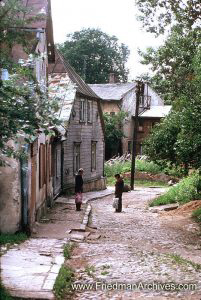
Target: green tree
[(172, 63), (95, 55), (113, 133), (158, 16), (177, 75), (178, 138), (24, 106)]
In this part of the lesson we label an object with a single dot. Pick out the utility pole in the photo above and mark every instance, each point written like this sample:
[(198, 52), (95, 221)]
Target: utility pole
[(139, 92)]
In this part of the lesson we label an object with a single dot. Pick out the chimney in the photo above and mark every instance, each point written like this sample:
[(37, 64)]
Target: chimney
[(112, 78)]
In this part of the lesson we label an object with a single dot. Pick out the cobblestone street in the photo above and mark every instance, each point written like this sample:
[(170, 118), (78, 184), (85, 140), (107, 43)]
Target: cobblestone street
[(135, 247)]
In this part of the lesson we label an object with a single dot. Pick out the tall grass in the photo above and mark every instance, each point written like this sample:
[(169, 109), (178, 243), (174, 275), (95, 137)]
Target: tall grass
[(141, 165), (186, 190), (197, 215)]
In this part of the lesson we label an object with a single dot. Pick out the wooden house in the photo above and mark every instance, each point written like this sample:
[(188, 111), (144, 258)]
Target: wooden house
[(116, 97), (81, 131)]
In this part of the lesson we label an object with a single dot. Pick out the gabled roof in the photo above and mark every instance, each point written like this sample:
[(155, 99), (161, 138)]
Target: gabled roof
[(112, 91), (64, 83), (156, 112), (41, 11), (62, 66)]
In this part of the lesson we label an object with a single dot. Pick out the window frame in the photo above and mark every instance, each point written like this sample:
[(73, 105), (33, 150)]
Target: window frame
[(82, 111)]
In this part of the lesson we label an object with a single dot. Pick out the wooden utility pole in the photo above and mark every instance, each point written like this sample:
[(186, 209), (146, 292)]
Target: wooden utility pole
[(139, 92)]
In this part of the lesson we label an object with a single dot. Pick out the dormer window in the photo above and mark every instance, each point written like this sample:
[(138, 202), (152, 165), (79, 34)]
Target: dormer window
[(85, 111), (82, 110), (89, 111)]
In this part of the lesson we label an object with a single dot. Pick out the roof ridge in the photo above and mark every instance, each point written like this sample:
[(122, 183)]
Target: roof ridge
[(83, 87)]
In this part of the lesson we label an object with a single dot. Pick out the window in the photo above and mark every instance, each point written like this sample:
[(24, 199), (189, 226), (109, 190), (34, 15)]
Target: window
[(42, 166), (58, 163), (129, 146), (76, 156), (142, 101), (153, 124), (89, 111), (140, 125), (141, 149), (93, 156), (82, 110)]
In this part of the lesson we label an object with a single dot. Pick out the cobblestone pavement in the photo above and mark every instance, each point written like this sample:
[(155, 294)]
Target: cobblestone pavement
[(29, 270), (137, 247)]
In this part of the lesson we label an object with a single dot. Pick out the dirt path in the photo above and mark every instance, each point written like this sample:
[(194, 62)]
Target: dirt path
[(138, 248)]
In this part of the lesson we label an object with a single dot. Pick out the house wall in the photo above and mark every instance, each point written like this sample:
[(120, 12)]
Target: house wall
[(10, 197), (110, 106), (84, 133), (43, 191), (144, 129), (129, 105)]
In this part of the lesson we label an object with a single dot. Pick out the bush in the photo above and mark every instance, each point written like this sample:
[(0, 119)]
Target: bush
[(197, 215), (185, 191)]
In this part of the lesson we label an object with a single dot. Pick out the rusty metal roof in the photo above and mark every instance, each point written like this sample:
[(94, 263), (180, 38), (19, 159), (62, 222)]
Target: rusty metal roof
[(62, 66), (112, 91), (156, 112)]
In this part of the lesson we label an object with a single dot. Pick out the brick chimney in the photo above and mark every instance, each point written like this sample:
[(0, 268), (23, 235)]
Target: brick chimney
[(112, 78)]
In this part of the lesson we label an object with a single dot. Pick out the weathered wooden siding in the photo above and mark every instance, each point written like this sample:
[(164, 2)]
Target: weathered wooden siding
[(84, 133), (110, 106), (56, 161)]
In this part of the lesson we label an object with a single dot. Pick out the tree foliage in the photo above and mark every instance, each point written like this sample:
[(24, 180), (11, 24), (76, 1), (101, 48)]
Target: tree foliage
[(113, 133), (177, 76), (178, 138), (158, 15), (94, 55), (172, 63), (24, 106)]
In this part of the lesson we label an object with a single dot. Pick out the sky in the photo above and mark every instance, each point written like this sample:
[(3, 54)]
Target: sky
[(114, 17)]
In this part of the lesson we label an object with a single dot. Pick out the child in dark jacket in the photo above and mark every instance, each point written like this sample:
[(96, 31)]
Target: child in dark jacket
[(119, 186)]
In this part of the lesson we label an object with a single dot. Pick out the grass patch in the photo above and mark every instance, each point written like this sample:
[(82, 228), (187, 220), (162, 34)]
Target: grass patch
[(16, 238), (90, 270), (63, 282), (105, 267), (182, 261), (186, 190), (4, 295), (104, 273), (111, 181), (68, 249), (197, 215), (141, 165)]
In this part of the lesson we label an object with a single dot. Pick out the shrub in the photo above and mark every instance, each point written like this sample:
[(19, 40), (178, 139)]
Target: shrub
[(185, 191), (197, 215)]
